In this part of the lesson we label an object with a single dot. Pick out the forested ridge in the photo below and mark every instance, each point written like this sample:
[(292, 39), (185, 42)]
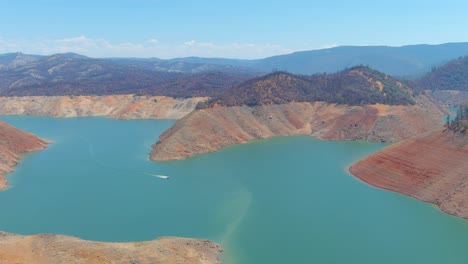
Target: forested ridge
[(358, 85)]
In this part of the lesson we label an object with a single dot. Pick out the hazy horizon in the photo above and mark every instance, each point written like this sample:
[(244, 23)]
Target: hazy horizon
[(192, 56), (223, 29)]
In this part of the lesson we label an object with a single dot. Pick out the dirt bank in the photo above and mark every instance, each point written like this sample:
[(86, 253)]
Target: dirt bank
[(13, 143), (113, 106), (432, 167)]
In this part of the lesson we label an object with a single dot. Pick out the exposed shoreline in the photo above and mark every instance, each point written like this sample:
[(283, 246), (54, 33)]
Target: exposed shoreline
[(111, 106), (3, 183), (430, 167), (385, 188), (13, 144), (208, 130)]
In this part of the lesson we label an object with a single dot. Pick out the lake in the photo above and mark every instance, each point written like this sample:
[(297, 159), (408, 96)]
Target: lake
[(282, 200)]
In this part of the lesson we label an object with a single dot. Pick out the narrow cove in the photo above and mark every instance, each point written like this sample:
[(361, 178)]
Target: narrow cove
[(283, 200)]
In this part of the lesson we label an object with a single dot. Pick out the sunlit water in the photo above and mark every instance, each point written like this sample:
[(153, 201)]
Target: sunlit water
[(284, 200)]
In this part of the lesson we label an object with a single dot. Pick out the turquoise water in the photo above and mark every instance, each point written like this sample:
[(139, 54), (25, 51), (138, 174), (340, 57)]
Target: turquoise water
[(284, 200)]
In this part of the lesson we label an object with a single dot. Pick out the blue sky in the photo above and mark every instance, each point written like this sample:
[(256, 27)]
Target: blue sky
[(233, 29)]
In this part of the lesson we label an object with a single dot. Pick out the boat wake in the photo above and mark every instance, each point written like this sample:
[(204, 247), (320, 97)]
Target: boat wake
[(158, 176)]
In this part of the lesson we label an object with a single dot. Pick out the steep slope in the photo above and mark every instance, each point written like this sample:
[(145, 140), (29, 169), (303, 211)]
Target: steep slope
[(431, 167), (211, 129), (13, 143), (113, 106), (57, 249)]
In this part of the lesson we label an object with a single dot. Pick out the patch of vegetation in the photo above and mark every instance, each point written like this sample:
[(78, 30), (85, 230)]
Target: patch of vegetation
[(460, 122), (451, 76)]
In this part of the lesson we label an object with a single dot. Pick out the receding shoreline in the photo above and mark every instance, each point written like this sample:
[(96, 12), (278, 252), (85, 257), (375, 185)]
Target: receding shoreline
[(112, 106), (13, 144), (430, 167), (208, 130)]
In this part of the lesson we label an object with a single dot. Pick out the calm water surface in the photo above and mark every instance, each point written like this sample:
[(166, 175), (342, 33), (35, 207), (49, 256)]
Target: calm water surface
[(284, 200)]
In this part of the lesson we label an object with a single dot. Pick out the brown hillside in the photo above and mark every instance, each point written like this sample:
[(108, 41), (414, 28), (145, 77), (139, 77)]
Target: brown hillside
[(211, 129), (113, 106)]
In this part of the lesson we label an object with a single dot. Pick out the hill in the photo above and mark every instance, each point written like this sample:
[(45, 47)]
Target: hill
[(451, 76), (355, 86)]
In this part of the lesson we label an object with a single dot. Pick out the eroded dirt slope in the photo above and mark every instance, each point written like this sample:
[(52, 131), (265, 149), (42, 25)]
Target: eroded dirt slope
[(432, 167), (113, 106), (13, 143), (211, 129)]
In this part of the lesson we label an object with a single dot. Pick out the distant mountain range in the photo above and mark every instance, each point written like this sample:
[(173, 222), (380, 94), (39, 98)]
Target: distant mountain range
[(408, 61), (398, 61), (74, 74)]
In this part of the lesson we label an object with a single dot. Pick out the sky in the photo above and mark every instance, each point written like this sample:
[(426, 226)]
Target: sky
[(244, 29)]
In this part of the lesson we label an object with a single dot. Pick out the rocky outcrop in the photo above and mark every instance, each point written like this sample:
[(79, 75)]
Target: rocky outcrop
[(13, 143), (55, 249), (431, 167), (113, 106), (210, 129)]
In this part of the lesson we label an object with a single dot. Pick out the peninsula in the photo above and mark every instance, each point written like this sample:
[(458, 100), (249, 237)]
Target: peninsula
[(431, 167), (356, 104), (55, 249), (13, 143)]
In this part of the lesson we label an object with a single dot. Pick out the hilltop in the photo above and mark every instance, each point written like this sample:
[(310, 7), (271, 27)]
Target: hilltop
[(358, 85)]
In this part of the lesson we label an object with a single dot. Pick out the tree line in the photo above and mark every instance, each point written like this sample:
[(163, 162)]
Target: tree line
[(460, 122)]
